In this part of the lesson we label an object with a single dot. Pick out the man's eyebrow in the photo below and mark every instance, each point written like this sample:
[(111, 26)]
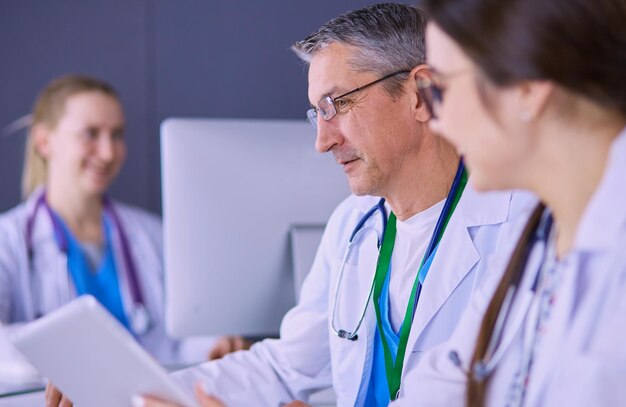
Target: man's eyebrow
[(335, 89), (332, 90)]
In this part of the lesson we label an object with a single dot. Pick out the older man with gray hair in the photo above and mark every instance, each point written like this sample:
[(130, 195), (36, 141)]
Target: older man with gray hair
[(399, 258)]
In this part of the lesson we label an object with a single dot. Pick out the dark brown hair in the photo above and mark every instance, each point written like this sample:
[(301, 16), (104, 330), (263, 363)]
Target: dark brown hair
[(579, 45)]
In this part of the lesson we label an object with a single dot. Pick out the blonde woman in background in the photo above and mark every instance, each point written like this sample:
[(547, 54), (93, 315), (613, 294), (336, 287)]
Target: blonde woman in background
[(68, 238)]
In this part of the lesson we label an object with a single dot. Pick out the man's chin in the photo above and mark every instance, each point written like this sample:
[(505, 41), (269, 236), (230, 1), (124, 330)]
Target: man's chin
[(360, 189)]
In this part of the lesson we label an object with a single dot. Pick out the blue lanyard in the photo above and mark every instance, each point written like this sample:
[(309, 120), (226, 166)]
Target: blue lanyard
[(394, 368)]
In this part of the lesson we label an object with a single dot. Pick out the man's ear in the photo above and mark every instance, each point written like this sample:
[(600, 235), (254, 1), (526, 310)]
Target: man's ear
[(41, 140), (418, 105)]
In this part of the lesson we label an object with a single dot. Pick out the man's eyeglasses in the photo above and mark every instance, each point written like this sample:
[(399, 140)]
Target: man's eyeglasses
[(327, 107)]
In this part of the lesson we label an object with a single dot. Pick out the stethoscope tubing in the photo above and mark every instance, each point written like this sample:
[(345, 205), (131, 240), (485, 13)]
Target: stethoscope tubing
[(131, 270), (360, 228), (380, 207), (494, 353), (138, 308)]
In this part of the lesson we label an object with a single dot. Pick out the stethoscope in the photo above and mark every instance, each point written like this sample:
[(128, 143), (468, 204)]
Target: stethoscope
[(360, 229), (139, 318), (495, 351)]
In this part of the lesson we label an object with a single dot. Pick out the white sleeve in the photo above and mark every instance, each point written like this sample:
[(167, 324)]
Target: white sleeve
[(277, 371), (7, 266)]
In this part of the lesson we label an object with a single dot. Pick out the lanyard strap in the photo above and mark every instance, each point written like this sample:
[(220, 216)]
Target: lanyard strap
[(394, 369)]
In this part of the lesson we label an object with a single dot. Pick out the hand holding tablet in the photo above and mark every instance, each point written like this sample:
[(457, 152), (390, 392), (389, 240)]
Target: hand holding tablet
[(92, 359)]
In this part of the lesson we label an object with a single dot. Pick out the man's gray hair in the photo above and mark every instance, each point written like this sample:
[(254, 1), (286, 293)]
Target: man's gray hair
[(386, 38)]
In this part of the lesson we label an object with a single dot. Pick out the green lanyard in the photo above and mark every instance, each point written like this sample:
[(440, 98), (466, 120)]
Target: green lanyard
[(394, 370)]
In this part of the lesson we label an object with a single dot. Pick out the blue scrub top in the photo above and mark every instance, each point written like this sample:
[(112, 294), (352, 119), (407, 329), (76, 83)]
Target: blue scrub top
[(378, 389), (103, 282)]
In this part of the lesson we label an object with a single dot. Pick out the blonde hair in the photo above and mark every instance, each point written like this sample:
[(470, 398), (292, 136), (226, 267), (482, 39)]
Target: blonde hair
[(49, 108)]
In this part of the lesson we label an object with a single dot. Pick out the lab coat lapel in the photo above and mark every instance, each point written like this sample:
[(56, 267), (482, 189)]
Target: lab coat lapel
[(49, 265), (120, 265), (455, 257), (559, 323), (363, 367), (573, 317), (367, 269), (457, 254), (43, 231), (355, 289), (364, 353), (367, 260)]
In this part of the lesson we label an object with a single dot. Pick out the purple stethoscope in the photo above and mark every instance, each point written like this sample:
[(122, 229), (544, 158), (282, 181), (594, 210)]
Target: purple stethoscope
[(139, 318)]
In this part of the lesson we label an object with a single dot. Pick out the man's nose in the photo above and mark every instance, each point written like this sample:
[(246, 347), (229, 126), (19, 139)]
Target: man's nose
[(328, 135)]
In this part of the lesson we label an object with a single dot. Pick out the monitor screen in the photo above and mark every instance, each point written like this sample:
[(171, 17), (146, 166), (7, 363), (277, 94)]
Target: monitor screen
[(232, 192)]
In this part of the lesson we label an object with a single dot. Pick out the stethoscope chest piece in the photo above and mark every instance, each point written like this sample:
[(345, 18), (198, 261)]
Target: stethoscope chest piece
[(139, 319)]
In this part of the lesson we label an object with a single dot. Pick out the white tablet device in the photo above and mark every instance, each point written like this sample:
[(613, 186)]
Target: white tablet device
[(93, 359)]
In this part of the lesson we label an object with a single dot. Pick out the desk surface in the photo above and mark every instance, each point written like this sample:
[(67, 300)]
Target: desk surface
[(32, 394), (36, 399)]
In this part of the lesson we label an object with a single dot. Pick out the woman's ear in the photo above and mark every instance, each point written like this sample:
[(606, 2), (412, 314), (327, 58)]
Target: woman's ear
[(41, 140), (533, 98), (418, 105)]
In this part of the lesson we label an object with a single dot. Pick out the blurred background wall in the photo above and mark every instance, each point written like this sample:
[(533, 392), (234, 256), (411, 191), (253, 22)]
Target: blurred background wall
[(166, 58)]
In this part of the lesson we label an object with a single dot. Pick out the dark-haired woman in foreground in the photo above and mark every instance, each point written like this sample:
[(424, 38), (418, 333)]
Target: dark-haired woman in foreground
[(533, 94)]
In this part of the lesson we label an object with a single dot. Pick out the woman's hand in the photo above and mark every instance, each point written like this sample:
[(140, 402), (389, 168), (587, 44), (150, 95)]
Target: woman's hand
[(54, 397)]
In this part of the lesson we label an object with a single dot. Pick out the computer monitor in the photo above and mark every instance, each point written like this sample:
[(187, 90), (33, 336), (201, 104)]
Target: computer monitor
[(233, 190)]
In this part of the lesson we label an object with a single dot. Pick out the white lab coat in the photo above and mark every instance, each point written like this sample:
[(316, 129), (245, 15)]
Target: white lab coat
[(308, 356), (48, 276), (581, 360)]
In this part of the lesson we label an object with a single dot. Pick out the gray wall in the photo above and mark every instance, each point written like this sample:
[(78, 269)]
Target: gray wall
[(165, 57)]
